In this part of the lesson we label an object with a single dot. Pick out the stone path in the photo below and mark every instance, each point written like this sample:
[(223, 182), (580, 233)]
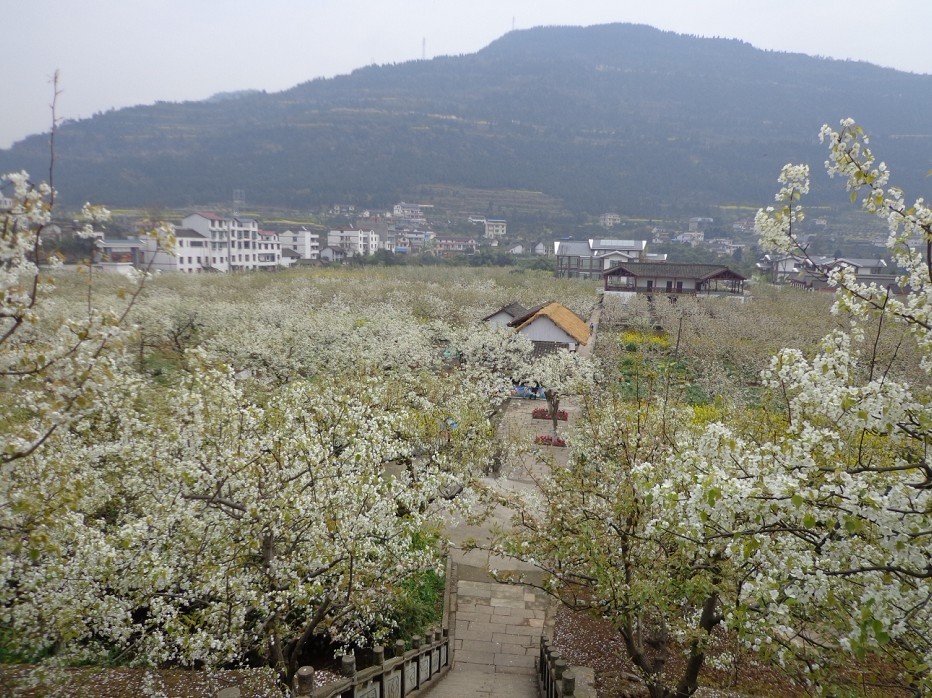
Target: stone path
[(497, 627), (496, 638)]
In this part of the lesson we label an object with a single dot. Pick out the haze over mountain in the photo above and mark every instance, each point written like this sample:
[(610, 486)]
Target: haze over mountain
[(614, 117)]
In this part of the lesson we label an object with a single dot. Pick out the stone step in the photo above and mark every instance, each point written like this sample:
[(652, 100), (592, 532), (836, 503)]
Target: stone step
[(496, 639), (465, 683)]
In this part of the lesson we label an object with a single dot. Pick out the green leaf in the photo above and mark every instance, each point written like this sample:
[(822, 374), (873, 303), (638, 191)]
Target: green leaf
[(852, 524)]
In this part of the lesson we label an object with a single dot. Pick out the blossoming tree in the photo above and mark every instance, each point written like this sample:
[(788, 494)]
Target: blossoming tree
[(560, 373), (800, 522), (275, 486)]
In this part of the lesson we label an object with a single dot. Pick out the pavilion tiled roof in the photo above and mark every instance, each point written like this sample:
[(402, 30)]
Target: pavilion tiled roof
[(674, 270)]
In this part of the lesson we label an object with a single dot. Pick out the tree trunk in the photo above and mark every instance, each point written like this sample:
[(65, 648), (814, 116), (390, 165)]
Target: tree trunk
[(689, 682), (553, 403)]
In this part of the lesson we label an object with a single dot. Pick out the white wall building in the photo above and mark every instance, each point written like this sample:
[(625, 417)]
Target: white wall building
[(495, 228), (235, 244), (411, 214), (304, 242), (354, 242), (190, 254), (609, 220), (270, 251)]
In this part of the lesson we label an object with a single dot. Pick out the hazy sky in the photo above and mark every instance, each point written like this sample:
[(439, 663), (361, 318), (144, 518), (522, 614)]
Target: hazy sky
[(116, 53)]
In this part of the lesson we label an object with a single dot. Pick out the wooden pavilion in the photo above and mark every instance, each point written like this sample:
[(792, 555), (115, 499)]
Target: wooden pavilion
[(672, 278)]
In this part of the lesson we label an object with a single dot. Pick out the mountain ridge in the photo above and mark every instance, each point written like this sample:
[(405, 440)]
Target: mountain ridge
[(609, 117)]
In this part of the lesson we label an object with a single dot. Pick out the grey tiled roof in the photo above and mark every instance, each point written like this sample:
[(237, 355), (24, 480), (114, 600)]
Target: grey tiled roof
[(673, 270)]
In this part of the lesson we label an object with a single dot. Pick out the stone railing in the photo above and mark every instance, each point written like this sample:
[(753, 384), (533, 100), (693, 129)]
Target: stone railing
[(405, 673), (554, 676)]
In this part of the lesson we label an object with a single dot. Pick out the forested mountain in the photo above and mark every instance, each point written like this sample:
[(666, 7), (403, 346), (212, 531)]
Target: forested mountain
[(613, 117)]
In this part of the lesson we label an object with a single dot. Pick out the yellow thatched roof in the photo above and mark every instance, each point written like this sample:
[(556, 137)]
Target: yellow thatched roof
[(560, 315)]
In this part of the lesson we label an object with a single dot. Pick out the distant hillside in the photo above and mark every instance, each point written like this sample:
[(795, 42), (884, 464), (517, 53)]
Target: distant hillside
[(614, 117)]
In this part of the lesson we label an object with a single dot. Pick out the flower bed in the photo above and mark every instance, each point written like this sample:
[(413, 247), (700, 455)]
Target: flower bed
[(544, 413), (548, 440)]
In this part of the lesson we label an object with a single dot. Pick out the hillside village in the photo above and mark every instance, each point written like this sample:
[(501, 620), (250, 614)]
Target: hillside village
[(210, 242)]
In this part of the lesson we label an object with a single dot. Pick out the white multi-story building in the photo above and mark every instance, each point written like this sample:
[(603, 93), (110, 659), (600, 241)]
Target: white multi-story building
[(189, 256), (404, 240), (270, 251), (354, 242), (410, 214), (495, 228), (609, 220), (304, 242), (235, 244)]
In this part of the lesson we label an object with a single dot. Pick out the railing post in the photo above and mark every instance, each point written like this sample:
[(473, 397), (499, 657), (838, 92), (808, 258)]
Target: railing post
[(399, 648), (304, 681), (348, 666), (378, 655), (559, 666), (554, 678), (569, 683)]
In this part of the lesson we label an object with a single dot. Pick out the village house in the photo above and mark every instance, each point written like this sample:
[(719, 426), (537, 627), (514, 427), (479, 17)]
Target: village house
[(779, 267), (699, 223), (304, 243), (291, 258), (332, 254), (504, 315), (354, 242), (495, 228), (234, 244), (405, 240), (189, 256), (119, 254), (672, 279), (269, 257), (609, 220), (690, 237), (588, 259), (444, 247), (411, 215), (724, 246), (813, 273), (861, 267), (552, 326)]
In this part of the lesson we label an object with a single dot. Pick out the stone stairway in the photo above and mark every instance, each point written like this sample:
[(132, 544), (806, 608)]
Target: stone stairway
[(497, 630)]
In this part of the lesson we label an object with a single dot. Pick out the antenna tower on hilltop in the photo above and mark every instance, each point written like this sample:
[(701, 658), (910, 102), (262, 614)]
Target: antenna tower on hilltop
[(424, 48), (239, 201)]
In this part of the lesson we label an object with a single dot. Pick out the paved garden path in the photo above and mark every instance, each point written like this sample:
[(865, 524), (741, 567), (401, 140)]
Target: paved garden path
[(497, 627)]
